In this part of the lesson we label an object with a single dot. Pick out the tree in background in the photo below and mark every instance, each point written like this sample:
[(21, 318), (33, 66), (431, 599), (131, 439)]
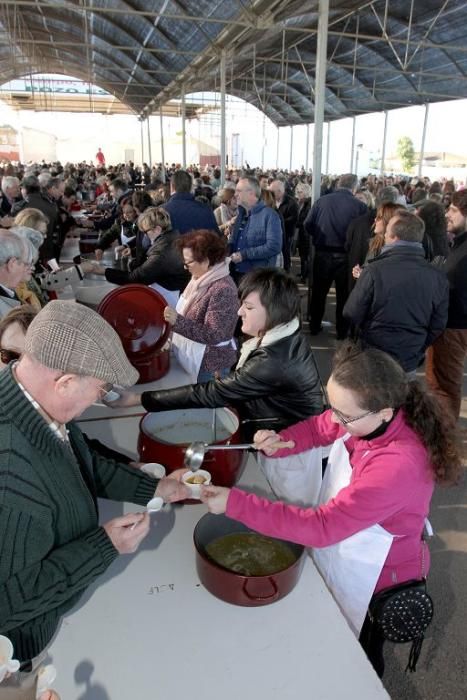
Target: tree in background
[(406, 153)]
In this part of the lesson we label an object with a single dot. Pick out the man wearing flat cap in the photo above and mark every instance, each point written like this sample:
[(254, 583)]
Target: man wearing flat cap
[(51, 545)]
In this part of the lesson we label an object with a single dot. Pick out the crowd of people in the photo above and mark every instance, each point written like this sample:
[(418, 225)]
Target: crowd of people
[(221, 255)]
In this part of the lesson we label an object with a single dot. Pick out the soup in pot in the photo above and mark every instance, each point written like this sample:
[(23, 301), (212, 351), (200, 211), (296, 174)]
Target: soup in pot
[(250, 554)]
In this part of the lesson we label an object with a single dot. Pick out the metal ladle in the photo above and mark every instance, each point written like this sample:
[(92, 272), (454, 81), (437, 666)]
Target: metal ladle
[(194, 453)]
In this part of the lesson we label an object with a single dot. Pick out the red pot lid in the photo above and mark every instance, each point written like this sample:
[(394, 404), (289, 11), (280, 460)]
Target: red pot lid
[(136, 312)]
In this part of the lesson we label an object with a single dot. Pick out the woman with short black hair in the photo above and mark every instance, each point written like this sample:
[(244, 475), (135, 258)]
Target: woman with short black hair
[(275, 380)]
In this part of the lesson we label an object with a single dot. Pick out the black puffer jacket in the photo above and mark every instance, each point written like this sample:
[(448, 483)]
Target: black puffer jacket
[(399, 304), (163, 264), (279, 381)]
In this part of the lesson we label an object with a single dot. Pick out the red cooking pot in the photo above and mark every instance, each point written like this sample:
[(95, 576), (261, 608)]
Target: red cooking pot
[(136, 312), (88, 242), (164, 437), (231, 586)]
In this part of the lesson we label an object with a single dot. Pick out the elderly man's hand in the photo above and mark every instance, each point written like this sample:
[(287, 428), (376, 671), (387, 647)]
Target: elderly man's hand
[(171, 488), (127, 533)]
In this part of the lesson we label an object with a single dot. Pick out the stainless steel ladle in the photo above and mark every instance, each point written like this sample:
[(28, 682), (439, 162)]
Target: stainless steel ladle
[(194, 453)]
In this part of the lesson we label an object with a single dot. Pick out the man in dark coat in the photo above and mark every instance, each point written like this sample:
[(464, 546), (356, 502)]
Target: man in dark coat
[(327, 224), (400, 302), (33, 197), (288, 207), (185, 212), (446, 358)]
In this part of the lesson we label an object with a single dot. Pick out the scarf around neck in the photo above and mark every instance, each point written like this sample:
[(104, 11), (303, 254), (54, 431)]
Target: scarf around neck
[(270, 337), (197, 287)]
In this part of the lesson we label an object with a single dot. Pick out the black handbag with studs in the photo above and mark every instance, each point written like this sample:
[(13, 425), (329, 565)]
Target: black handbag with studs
[(403, 613)]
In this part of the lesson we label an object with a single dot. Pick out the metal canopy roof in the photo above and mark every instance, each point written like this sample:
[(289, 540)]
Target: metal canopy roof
[(381, 55)]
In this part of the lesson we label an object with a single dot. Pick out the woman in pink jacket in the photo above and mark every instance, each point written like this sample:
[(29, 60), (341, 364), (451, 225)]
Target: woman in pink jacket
[(390, 445)]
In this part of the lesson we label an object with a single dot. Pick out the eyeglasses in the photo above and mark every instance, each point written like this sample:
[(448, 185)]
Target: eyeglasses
[(187, 263), (345, 420), (7, 356)]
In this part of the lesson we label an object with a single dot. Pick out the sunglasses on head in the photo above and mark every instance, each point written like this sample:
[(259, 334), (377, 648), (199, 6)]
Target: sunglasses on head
[(7, 356)]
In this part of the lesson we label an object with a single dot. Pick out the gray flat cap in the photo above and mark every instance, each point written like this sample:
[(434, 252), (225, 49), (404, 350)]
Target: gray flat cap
[(72, 338)]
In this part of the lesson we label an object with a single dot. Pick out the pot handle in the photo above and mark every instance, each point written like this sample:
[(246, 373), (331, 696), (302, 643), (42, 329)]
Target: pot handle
[(273, 595)]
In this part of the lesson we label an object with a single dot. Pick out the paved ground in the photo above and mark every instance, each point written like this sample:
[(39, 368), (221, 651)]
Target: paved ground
[(442, 668)]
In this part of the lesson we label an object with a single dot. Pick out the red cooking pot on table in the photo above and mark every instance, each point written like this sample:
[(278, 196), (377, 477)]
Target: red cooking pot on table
[(136, 312), (231, 586), (164, 437), (88, 242)]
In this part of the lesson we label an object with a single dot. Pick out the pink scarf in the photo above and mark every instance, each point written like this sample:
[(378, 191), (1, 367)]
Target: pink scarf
[(195, 289)]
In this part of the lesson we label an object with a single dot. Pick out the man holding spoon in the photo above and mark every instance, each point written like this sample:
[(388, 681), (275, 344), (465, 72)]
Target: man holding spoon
[(51, 544)]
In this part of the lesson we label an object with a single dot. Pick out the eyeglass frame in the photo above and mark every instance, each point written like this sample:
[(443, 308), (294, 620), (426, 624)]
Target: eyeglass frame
[(347, 421)]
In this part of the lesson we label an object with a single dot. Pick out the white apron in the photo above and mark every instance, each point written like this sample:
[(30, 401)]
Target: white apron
[(352, 567), (124, 238), (190, 353), (296, 479), (170, 295)]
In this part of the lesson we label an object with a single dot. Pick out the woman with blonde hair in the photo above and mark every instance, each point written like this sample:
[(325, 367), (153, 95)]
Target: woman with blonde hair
[(32, 218), (160, 265)]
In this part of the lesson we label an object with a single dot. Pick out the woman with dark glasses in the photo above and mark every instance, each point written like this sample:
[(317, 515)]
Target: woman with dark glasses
[(390, 445)]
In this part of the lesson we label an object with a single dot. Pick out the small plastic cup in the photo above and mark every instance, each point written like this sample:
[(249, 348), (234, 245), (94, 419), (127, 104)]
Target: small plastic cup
[(7, 663), (154, 469), (192, 481)]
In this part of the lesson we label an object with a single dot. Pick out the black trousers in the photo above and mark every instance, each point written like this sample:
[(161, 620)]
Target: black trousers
[(372, 641), (329, 267), (287, 242)]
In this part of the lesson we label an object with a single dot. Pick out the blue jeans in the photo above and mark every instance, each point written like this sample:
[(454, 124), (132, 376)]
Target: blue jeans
[(205, 376)]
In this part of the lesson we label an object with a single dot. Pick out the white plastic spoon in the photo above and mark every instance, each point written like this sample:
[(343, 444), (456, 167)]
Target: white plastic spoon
[(153, 506)]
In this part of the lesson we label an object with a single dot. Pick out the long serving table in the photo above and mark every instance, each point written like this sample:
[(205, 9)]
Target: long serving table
[(148, 630)]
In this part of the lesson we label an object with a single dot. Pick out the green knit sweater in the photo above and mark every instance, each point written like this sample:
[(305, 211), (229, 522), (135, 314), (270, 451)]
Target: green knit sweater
[(51, 546)]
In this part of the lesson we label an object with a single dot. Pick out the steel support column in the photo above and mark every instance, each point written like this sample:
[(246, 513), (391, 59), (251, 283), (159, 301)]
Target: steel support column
[(161, 119), (183, 128), (223, 129), (422, 147), (307, 151), (291, 148), (352, 147), (277, 150), (149, 144), (263, 142), (383, 153), (142, 141), (320, 91)]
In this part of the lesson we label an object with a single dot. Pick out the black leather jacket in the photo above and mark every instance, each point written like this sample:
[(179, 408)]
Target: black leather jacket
[(163, 265), (278, 381)]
